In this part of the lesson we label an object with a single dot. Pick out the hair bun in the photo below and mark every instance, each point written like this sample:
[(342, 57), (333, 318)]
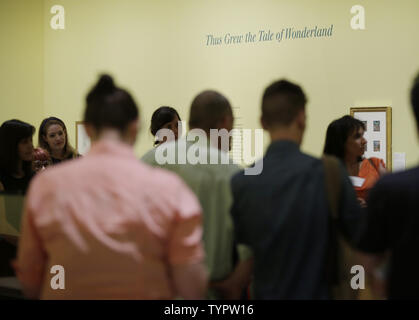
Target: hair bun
[(105, 84)]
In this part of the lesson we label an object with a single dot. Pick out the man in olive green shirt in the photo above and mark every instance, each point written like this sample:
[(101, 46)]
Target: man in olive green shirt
[(203, 163)]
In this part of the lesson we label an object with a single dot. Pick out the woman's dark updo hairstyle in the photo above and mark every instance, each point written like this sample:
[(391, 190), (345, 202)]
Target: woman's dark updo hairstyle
[(11, 133), (108, 106), (162, 116), (338, 132)]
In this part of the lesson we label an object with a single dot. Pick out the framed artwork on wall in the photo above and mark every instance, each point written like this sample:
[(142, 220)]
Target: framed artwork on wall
[(82, 139), (378, 133)]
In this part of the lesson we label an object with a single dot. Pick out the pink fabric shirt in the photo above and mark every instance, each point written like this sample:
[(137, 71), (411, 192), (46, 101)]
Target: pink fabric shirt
[(115, 224)]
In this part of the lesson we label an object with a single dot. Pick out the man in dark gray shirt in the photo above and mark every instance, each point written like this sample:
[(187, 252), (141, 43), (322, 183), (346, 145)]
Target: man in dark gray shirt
[(283, 213), (393, 225)]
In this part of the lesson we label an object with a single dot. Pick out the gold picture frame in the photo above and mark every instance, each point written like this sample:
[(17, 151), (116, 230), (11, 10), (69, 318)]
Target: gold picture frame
[(378, 132), (82, 139)]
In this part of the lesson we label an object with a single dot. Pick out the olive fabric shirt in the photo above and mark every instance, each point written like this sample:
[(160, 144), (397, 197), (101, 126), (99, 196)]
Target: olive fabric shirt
[(283, 215), (211, 185)]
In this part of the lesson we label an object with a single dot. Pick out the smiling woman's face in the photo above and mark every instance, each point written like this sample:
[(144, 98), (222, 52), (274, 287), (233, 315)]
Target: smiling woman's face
[(355, 144), (55, 137)]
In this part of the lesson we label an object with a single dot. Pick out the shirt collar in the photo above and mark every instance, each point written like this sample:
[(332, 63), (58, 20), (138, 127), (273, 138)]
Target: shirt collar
[(282, 146), (111, 147)]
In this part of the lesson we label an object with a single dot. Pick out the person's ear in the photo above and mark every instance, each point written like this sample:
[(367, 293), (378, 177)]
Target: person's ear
[(263, 123), (91, 131), (301, 120)]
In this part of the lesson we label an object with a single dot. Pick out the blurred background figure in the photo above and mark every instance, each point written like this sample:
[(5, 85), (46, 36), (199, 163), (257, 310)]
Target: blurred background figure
[(283, 213), (345, 140), (393, 224), (53, 137), (229, 265), (16, 155), (165, 118), (99, 218), (41, 160)]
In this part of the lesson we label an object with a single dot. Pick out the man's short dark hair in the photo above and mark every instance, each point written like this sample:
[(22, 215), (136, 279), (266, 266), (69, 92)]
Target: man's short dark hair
[(414, 99), (207, 109), (281, 103)]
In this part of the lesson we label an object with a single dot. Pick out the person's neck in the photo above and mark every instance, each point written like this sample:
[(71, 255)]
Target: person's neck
[(111, 136), (288, 134), (57, 154), (352, 165)]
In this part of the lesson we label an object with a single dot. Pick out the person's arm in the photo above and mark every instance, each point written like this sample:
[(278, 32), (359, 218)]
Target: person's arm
[(232, 287), (351, 214), (375, 241), (190, 280), (382, 169), (185, 249), (375, 237), (31, 258)]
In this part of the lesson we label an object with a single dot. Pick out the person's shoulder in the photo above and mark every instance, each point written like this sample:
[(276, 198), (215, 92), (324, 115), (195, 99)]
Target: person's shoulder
[(375, 162), (400, 180), (310, 159), (374, 159), (159, 176), (247, 176), (149, 156)]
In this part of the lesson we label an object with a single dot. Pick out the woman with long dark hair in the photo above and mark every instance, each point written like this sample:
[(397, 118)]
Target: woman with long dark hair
[(16, 155), (345, 140)]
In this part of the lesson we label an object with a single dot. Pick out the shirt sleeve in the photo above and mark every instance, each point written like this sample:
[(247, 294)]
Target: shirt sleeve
[(31, 256), (185, 243), (377, 162)]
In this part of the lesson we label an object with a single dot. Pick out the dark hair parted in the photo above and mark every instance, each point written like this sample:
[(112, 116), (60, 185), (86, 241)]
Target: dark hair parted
[(108, 106), (11, 133), (281, 103), (208, 109), (338, 132), (162, 116), (414, 99), (43, 130)]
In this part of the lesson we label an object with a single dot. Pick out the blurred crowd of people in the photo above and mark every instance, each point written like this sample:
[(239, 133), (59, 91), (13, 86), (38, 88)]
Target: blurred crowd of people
[(125, 228)]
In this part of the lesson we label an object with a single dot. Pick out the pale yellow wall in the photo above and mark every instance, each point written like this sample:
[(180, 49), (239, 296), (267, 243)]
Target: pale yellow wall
[(21, 60), (157, 50)]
